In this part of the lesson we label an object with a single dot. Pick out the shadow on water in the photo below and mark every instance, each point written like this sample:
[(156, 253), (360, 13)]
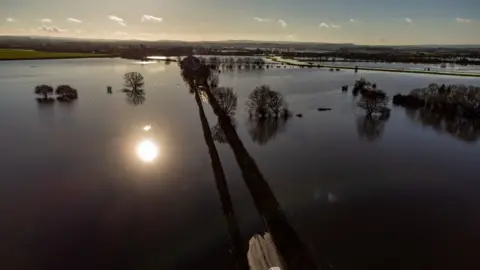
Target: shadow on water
[(370, 128), (262, 130), (293, 254), (237, 248), (463, 129)]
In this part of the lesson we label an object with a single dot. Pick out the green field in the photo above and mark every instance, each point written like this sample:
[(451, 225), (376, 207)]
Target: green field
[(11, 54)]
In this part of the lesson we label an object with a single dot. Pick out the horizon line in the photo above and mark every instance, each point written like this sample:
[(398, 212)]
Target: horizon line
[(238, 40)]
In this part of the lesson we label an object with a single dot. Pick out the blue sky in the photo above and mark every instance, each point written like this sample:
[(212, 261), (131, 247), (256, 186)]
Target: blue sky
[(352, 21)]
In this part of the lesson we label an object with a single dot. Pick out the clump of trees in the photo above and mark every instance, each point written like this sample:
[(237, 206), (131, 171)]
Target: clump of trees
[(65, 93), (453, 100), (263, 102)]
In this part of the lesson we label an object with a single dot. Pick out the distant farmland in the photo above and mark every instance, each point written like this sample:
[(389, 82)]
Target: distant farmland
[(12, 54)]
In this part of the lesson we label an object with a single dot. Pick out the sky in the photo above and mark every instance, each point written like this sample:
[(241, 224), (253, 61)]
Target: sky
[(380, 22)]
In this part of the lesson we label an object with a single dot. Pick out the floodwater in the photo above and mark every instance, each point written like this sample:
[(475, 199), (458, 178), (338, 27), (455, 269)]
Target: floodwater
[(467, 69), (110, 182)]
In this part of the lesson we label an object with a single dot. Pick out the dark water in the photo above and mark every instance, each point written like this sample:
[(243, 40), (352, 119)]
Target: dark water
[(398, 194)]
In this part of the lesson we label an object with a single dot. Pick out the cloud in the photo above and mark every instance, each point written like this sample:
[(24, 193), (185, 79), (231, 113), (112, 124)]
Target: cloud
[(151, 18), (120, 33), (46, 20), (115, 18), (122, 23), (74, 20), (258, 19), (282, 23), (10, 19), (78, 31), (291, 36), (408, 20), (463, 20), (324, 25), (354, 21), (50, 29), (335, 26)]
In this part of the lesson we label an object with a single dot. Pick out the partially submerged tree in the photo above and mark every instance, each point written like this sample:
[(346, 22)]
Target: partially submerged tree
[(264, 102), (133, 81), (66, 93), (226, 98), (374, 104), (454, 100), (44, 90)]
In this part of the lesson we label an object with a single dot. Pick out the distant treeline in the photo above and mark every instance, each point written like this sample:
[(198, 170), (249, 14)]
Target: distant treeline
[(132, 49), (388, 57)]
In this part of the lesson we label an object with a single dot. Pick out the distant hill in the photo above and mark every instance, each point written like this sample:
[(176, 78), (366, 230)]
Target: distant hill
[(23, 40)]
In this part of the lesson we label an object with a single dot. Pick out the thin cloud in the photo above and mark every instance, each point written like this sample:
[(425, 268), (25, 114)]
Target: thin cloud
[(282, 23), (122, 23), (463, 20), (50, 29), (120, 33), (408, 20), (115, 18), (291, 36), (258, 19), (335, 26), (10, 19), (324, 25), (46, 20), (354, 21), (74, 20), (151, 18)]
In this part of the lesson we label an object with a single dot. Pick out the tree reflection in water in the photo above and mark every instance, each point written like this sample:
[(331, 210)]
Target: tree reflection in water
[(371, 128), (262, 130), (467, 130), (136, 97)]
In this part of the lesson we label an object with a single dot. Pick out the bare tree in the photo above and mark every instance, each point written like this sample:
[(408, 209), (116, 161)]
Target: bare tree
[(133, 81), (373, 104), (276, 103), (257, 102), (227, 99)]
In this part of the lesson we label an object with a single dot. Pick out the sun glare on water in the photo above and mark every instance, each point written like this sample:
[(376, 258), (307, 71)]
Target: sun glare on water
[(147, 151)]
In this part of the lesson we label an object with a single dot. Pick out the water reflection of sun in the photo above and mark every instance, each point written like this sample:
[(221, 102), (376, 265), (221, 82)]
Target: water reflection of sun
[(147, 151)]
